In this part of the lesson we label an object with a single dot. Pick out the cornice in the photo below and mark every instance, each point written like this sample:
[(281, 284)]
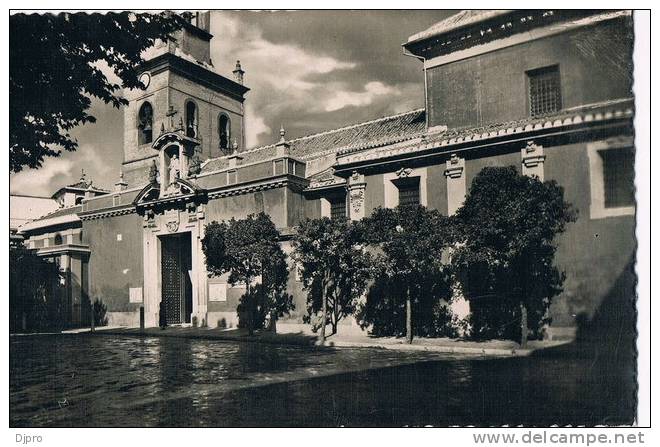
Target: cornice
[(106, 212), (200, 74), (275, 182), (566, 122)]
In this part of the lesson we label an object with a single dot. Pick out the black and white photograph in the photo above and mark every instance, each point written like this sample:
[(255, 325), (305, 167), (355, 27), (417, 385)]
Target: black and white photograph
[(369, 218)]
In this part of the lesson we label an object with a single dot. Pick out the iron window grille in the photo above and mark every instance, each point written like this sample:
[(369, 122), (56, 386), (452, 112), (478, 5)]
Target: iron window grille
[(618, 177), (544, 90), (337, 207), (408, 191)]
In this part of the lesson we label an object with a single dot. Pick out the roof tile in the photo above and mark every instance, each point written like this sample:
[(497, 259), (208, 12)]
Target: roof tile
[(380, 131)]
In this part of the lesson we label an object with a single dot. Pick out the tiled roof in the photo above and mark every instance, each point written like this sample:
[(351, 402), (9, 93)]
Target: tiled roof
[(457, 21), (387, 130), (63, 212)]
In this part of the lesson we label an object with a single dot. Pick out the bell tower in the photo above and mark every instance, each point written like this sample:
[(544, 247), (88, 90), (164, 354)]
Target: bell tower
[(184, 94)]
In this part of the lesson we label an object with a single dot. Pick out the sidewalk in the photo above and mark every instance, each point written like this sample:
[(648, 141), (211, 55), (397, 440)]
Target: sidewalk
[(351, 340)]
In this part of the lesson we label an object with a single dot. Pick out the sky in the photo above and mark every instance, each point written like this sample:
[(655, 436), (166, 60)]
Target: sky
[(308, 71)]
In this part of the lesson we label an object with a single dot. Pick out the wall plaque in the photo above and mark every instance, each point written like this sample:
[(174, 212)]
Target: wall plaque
[(135, 295), (217, 292)]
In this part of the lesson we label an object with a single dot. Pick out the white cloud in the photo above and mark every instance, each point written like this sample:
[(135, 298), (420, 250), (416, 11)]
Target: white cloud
[(65, 169), (280, 66), (254, 126), (38, 182), (372, 90), (289, 82)]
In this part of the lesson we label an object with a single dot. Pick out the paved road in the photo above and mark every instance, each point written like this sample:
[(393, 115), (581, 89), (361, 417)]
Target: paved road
[(107, 381)]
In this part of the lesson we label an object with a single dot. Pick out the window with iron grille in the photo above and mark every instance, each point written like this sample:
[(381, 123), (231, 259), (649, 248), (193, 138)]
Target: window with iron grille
[(337, 207), (618, 177), (408, 191), (544, 90)]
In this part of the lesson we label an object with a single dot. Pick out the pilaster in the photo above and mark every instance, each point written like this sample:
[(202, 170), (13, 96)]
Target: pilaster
[(532, 158), (356, 194), (455, 173)]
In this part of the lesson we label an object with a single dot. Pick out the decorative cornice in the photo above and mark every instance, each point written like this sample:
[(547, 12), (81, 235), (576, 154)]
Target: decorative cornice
[(66, 249), (326, 183), (616, 110), (276, 182), (177, 136), (199, 73), (107, 212)]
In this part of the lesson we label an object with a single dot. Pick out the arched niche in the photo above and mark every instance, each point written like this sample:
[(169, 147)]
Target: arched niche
[(145, 123), (224, 132), (191, 123)]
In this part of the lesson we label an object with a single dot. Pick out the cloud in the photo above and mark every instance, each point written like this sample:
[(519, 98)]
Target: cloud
[(288, 83), (342, 98), (38, 183), (254, 126), (64, 170)]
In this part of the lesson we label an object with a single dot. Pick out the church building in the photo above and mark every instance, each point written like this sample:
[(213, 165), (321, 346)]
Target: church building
[(547, 91)]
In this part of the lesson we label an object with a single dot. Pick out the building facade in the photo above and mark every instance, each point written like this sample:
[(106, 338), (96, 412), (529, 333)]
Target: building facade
[(546, 91)]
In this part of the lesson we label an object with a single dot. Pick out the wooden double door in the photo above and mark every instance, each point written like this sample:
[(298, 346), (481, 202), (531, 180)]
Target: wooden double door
[(176, 286)]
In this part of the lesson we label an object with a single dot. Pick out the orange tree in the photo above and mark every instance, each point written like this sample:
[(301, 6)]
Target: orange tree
[(505, 251), (249, 250), (335, 269), (412, 279)]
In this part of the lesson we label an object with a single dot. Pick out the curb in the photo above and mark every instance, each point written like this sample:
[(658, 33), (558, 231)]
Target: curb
[(443, 349), (500, 352)]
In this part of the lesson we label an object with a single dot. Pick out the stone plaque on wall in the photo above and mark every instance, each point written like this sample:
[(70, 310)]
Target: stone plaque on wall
[(218, 292), (135, 295)]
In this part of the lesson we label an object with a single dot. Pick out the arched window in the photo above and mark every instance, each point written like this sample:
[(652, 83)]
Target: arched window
[(79, 200), (191, 119), (58, 239), (145, 123), (224, 131)]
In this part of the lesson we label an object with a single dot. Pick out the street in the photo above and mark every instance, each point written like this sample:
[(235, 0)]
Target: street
[(103, 380)]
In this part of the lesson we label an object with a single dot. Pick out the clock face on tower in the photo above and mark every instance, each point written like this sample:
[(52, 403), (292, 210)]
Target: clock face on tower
[(144, 79)]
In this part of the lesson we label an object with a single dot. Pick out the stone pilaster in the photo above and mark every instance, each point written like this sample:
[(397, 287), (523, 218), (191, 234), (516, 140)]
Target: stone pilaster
[(455, 173), (532, 158), (356, 195)]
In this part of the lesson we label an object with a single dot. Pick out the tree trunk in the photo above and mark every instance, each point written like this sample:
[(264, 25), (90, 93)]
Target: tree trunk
[(409, 334), (336, 318), (273, 322), (249, 303), (324, 304), (523, 325)]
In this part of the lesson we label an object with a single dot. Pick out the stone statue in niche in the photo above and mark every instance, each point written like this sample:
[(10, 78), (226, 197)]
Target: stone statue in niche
[(175, 168)]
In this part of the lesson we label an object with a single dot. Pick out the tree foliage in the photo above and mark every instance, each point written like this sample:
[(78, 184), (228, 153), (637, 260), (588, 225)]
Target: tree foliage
[(249, 250), (54, 69), (411, 241), (505, 251), (333, 262)]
